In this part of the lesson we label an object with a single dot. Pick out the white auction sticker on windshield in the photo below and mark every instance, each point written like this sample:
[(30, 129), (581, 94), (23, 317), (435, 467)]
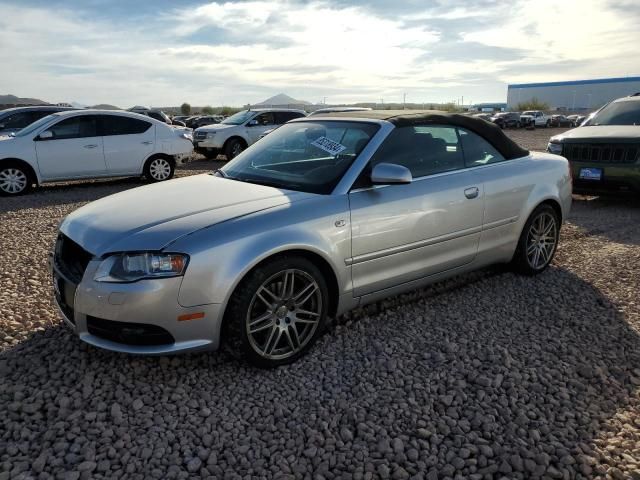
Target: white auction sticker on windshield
[(329, 146)]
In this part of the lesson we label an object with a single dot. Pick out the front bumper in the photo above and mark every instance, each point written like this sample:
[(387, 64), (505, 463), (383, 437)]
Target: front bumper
[(137, 318), (207, 143), (616, 178)]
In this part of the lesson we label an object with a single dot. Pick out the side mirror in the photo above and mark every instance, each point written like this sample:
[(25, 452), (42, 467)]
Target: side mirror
[(46, 135), (252, 123), (390, 173)]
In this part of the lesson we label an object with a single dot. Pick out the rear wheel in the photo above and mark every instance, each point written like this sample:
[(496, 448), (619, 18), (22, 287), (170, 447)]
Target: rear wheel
[(277, 312), (158, 169), (233, 148), (538, 241), (15, 179)]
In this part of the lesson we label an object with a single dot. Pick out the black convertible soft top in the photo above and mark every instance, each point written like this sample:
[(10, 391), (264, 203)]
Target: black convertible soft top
[(405, 118)]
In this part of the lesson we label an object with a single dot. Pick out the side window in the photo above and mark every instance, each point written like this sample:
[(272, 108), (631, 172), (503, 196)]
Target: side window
[(284, 117), (156, 116), (477, 151), (75, 127), (265, 118), (117, 125), (18, 120), (424, 150)]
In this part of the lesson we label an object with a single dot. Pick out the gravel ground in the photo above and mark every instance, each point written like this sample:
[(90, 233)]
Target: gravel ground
[(488, 375)]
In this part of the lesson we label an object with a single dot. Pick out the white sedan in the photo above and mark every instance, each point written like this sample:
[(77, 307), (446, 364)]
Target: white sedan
[(90, 144)]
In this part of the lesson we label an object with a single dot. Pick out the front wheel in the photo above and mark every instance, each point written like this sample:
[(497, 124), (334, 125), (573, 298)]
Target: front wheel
[(538, 241), (233, 148), (15, 179), (158, 169), (277, 312)]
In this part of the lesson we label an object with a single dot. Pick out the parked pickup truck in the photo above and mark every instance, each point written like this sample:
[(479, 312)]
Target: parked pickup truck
[(535, 118)]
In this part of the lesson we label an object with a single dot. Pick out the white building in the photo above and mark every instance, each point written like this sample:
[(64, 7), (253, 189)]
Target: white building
[(573, 95)]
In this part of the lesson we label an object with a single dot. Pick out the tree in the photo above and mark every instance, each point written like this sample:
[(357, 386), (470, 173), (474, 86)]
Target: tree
[(208, 110), (533, 104), (185, 108)]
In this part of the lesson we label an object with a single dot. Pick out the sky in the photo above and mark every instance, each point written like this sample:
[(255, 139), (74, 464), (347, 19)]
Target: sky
[(165, 52)]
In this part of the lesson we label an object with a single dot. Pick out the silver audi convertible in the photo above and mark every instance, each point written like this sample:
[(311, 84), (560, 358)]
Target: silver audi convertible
[(323, 215)]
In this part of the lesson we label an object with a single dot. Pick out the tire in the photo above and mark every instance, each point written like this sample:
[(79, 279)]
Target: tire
[(233, 148), (211, 154), (159, 169), (15, 179), (525, 260), (548, 124), (269, 324), (518, 125)]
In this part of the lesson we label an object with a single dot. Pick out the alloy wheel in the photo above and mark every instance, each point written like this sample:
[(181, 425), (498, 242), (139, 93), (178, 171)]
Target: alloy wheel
[(541, 240), (284, 314), (237, 149), (13, 180), (160, 169)]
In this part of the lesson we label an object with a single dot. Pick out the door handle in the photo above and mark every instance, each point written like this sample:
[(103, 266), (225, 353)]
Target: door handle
[(91, 146), (471, 192), (147, 142)]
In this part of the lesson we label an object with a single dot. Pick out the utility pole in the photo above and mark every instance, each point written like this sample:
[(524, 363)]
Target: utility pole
[(404, 101), (324, 100)]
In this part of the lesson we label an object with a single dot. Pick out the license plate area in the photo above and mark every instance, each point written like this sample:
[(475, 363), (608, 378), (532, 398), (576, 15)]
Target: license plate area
[(593, 174), (64, 292)]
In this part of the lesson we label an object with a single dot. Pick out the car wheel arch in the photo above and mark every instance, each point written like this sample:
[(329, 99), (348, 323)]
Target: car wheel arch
[(153, 156), (32, 171), (235, 137), (317, 259)]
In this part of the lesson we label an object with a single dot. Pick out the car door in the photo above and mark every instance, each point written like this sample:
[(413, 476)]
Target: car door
[(74, 149), (258, 125), (507, 185), (128, 142), (401, 233)]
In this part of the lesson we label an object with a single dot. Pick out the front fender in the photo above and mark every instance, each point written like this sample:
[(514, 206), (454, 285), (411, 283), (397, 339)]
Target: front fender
[(238, 246)]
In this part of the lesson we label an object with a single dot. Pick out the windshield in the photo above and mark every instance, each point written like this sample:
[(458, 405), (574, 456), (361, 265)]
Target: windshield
[(34, 126), (306, 156), (239, 118), (617, 113)]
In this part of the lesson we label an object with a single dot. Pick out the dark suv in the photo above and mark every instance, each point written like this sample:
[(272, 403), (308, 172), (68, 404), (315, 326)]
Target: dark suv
[(507, 119), (604, 152), (15, 119)]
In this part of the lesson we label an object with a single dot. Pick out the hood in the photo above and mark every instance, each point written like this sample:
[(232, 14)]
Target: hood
[(152, 217), (215, 127), (601, 134)]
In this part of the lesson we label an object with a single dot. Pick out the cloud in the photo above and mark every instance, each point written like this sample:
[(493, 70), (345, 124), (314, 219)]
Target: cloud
[(237, 52)]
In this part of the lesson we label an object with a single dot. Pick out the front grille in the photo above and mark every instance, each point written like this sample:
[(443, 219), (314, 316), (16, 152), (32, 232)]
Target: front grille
[(139, 334), (71, 258), (200, 135), (601, 153)]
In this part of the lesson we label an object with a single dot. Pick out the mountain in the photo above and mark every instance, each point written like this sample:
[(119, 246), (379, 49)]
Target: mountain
[(282, 99), (13, 100), (105, 106)]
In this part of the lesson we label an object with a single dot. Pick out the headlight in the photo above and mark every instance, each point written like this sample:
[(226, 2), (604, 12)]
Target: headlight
[(187, 136), (211, 134), (129, 267), (555, 148)]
